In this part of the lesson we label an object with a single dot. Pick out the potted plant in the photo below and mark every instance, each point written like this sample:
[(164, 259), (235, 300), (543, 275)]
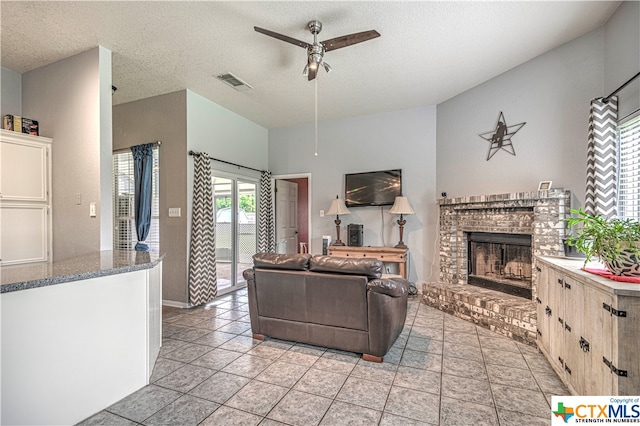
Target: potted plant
[(614, 241)]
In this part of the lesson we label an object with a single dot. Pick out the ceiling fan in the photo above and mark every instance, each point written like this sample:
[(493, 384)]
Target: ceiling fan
[(315, 51)]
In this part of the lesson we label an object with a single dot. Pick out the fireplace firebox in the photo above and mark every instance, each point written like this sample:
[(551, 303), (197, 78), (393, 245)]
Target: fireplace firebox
[(500, 262)]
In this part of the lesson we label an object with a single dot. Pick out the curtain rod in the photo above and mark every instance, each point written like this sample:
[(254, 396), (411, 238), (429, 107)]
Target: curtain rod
[(606, 99), (117, 151), (223, 161)]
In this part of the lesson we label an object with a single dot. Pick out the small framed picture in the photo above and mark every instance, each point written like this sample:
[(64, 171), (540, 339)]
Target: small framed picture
[(544, 185)]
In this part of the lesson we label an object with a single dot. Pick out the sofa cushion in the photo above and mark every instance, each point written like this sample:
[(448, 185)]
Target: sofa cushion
[(371, 268), (292, 262)]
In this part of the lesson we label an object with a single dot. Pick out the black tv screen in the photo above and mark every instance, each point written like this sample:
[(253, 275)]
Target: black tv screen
[(372, 188)]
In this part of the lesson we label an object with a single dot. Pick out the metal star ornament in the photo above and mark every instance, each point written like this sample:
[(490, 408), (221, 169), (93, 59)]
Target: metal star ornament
[(500, 137)]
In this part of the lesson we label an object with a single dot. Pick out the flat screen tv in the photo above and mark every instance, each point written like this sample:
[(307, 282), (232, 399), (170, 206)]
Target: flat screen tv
[(372, 188)]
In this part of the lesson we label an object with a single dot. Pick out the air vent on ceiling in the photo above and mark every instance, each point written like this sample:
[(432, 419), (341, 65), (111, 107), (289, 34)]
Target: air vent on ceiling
[(234, 82)]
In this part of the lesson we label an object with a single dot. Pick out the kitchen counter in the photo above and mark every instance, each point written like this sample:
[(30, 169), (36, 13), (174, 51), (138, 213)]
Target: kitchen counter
[(78, 335), (93, 265)]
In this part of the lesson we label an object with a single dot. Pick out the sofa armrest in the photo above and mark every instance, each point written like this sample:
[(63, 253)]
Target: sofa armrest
[(249, 274), (394, 287)]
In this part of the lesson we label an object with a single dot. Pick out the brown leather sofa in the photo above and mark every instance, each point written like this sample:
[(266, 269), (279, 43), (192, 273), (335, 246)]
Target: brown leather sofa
[(340, 303)]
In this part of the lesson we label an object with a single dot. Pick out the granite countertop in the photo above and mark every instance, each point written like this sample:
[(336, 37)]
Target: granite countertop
[(93, 265)]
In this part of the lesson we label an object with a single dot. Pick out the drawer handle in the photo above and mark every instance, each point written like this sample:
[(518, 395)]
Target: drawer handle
[(584, 345), (547, 311)]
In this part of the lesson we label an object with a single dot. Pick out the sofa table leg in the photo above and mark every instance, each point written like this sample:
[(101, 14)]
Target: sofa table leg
[(258, 336), (371, 358)]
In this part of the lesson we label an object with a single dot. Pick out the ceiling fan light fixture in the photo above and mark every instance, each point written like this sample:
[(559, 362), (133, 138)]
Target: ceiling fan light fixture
[(305, 71), (327, 67)]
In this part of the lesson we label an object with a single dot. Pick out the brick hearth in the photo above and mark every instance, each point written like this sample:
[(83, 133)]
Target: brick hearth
[(539, 214)]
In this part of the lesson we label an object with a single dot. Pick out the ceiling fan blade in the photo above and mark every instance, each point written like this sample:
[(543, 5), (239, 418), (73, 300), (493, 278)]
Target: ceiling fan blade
[(282, 37), (348, 40), (312, 73)]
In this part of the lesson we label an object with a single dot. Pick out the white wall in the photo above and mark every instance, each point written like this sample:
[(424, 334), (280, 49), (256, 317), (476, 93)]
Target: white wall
[(11, 96), (551, 93), (622, 56), (67, 98), (394, 140)]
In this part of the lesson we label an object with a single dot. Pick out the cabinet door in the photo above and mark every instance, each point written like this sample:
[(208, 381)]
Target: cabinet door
[(23, 171), (574, 359), (24, 233), (597, 333), (542, 303), (626, 347), (556, 320)]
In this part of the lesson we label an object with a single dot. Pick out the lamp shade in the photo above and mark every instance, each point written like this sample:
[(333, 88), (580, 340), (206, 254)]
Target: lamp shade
[(401, 206), (337, 207)]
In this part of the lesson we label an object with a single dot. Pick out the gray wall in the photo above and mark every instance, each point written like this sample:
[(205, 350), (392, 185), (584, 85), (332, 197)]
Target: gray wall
[(400, 139), (66, 97), (11, 96), (163, 118), (551, 93), (185, 121), (622, 56)]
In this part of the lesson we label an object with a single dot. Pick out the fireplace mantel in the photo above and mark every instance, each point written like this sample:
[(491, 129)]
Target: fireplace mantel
[(509, 199), (540, 214)]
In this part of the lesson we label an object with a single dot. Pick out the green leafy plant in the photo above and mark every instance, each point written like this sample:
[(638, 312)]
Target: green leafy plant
[(602, 237)]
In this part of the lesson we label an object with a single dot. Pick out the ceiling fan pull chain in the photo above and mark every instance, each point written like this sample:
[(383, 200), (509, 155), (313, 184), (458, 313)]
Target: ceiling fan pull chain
[(316, 120)]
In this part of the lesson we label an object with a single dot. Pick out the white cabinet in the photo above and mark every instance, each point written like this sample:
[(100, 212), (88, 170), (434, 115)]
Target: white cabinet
[(588, 328), (25, 198)]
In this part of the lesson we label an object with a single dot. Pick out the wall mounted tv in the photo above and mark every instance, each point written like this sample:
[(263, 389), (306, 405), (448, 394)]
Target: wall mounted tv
[(372, 188)]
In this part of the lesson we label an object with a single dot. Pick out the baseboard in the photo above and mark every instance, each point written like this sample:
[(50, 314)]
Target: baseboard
[(174, 304)]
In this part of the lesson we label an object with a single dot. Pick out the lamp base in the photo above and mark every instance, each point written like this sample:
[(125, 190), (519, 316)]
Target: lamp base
[(401, 245), (337, 243)]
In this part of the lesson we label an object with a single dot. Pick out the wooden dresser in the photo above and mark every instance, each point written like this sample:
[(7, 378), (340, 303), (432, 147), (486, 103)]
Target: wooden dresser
[(385, 254)]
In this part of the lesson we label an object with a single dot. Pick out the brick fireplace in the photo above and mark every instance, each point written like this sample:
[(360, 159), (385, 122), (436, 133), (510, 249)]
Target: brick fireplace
[(539, 214), (505, 233)]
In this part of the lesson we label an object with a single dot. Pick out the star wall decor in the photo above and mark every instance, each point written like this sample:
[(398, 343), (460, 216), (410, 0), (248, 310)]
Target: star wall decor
[(500, 137)]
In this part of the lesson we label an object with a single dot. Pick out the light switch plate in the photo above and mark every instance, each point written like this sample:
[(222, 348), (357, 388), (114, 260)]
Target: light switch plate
[(321, 213), (174, 211), (92, 209)]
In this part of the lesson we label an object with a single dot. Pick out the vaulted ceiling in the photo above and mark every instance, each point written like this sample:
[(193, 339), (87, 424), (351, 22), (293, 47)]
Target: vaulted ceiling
[(428, 51)]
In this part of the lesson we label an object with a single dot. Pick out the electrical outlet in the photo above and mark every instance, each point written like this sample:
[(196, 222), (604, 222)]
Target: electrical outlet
[(174, 211), (78, 199)]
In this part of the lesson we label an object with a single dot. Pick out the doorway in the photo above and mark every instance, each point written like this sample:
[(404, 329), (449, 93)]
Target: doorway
[(235, 222), (292, 208)]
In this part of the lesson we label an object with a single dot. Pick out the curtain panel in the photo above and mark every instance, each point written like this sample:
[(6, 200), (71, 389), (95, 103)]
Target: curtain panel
[(602, 174), (142, 171), (203, 277), (266, 218)]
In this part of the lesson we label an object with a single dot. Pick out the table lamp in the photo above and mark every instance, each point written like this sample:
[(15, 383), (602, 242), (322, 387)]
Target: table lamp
[(337, 207), (401, 206)]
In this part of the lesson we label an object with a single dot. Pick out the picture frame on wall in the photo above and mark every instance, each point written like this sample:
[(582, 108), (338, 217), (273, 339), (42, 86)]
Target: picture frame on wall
[(544, 185)]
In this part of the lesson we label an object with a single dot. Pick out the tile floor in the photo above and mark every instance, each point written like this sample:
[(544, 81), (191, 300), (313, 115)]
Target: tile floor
[(440, 371)]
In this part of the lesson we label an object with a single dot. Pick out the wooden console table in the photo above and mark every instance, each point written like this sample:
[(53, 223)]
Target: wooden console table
[(385, 254)]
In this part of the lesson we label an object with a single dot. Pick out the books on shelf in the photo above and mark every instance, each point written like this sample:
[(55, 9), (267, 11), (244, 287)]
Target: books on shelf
[(19, 124)]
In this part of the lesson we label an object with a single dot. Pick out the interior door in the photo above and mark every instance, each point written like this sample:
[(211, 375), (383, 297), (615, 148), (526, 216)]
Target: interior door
[(286, 216)]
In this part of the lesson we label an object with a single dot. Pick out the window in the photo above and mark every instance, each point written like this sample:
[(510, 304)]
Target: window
[(124, 224), (629, 171)]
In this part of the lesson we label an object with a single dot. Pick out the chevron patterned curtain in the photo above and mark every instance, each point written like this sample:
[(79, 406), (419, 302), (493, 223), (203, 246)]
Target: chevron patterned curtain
[(601, 197), (266, 219), (203, 279)]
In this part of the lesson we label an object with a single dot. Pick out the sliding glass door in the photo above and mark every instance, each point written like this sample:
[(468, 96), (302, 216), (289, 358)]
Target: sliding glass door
[(236, 232)]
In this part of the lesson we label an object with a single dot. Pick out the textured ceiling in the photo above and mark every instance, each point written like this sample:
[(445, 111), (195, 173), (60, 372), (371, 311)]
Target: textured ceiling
[(427, 53)]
